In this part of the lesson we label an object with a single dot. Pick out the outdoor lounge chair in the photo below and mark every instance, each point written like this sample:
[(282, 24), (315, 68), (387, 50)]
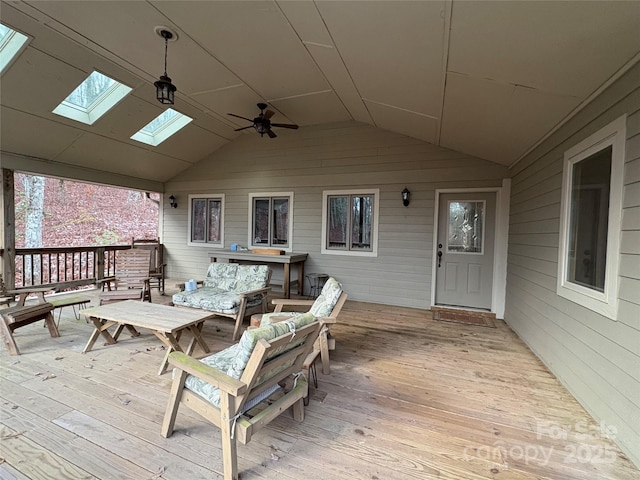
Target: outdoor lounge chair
[(230, 388), (326, 307), (131, 279)]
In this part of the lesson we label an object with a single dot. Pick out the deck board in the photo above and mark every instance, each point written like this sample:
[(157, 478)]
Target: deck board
[(408, 397)]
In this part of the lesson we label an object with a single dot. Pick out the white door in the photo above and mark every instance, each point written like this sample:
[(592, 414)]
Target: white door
[(466, 232)]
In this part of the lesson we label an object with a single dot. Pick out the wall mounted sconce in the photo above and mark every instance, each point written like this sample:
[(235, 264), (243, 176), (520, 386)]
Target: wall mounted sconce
[(172, 202), (405, 196)]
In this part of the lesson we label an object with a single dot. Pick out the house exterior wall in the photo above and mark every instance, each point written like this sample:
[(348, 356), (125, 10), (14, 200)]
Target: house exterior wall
[(596, 358), (332, 157)]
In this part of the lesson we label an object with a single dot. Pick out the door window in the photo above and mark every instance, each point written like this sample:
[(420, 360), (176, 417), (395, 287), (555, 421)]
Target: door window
[(466, 226)]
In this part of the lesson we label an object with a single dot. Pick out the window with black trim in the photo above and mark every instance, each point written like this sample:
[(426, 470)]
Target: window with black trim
[(271, 220), (350, 222), (206, 220)]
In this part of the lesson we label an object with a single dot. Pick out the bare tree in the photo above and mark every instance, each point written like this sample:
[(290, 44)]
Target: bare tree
[(34, 214)]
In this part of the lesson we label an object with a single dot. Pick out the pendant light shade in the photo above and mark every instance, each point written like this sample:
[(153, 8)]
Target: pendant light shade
[(165, 90)]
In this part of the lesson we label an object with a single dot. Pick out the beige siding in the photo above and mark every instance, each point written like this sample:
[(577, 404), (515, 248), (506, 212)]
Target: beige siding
[(329, 157), (598, 359)]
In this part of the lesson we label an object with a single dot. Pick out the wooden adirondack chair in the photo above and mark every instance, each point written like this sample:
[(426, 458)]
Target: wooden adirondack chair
[(230, 387), (156, 261), (131, 279), (326, 307)]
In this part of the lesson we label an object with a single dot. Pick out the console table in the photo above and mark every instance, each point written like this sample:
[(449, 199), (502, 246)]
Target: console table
[(285, 260)]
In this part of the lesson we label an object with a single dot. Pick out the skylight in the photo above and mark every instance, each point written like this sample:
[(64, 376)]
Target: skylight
[(11, 42), (92, 98), (162, 127)]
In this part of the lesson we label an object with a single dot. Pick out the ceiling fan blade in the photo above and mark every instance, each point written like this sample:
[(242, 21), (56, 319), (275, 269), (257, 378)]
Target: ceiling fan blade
[(268, 114), (271, 134), (243, 128), (238, 116), (285, 125)]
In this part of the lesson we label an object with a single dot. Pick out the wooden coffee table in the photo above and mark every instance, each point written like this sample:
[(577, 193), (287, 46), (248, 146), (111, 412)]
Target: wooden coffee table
[(167, 323)]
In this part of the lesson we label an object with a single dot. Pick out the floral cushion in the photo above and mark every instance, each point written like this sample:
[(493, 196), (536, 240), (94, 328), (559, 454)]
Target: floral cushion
[(221, 275), (233, 360), (222, 286), (327, 299), (251, 277)]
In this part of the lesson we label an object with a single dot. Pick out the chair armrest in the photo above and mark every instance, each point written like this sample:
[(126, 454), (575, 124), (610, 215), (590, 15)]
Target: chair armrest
[(291, 301), (281, 302), (206, 373), (253, 293), (325, 320)]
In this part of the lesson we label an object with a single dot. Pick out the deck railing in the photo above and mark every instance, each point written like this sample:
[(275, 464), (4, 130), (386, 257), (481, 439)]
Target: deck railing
[(64, 267)]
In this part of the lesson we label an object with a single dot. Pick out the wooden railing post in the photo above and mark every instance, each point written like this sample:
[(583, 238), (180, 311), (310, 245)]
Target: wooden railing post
[(8, 228), (98, 262)]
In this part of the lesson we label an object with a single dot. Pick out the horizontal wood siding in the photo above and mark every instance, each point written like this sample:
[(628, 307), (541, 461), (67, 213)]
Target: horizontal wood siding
[(329, 157), (598, 359)]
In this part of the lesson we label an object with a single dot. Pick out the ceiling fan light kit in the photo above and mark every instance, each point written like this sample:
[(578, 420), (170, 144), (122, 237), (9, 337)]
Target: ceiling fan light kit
[(262, 123)]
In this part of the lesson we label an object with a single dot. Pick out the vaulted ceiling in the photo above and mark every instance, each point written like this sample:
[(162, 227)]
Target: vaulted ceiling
[(488, 79)]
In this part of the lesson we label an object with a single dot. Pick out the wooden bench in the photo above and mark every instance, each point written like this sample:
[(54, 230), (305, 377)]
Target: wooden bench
[(69, 302), (19, 316)]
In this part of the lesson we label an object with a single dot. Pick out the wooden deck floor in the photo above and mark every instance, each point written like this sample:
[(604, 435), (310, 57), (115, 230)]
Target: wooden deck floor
[(408, 397)]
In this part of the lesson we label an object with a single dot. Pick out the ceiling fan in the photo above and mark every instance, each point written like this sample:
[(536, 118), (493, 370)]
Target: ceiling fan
[(262, 122)]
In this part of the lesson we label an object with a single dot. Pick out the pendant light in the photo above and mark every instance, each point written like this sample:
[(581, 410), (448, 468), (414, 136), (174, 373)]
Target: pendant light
[(165, 90)]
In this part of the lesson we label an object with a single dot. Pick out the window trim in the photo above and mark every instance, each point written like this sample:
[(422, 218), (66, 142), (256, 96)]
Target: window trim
[(376, 216), (12, 47), (271, 195), (164, 131), (99, 107), (206, 196), (605, 303)]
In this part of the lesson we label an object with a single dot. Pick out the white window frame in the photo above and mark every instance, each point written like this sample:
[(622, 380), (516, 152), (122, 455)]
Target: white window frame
[(604, 303), (12, 47), (101, 105), (164, 131), (271, 195), (206, 196), (375, 192)]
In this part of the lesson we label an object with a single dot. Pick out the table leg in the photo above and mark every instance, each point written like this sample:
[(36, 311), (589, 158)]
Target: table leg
[(301, 278), (172, 346), (287, 281), (196, 331), (101, 327)]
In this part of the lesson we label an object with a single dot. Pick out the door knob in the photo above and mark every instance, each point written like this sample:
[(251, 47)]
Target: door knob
[(439, 257)]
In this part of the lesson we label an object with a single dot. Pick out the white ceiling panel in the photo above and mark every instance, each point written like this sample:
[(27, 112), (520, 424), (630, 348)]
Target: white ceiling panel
[(22, 83), (557, 47), (126, 29), (514, 70), (340, 80), (238, 99), (323, 107), (18, 129), (254, 40), (393, 50), (99, 153), (497, 121), (404, 122)]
